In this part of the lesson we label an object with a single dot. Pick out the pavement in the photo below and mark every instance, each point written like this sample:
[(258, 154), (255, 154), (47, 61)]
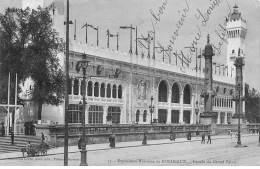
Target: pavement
[(119, 145)]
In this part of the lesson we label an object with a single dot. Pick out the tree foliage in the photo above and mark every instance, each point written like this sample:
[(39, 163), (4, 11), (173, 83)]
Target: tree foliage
[(29, 47), (252, 103)]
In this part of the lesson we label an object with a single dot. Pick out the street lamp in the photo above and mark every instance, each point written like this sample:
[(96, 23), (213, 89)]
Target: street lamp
[(151, 107), (83, 63), (239, 88), (197, 111)]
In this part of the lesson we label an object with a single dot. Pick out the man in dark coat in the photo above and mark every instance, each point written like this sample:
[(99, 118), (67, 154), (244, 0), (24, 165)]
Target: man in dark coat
[(203, 138), (144, 142), (197, 133), (79, 143), (112, 139), (209, 138), (43, 137)]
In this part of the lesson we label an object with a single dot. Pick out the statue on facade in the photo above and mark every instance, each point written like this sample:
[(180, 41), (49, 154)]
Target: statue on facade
[(142, 87)]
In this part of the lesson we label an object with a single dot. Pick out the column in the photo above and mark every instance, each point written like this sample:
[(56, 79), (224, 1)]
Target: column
[(93, 85), (99, 89), (105, 114), (105, 91), (181, 111), (72, 86), (218, 121), (80, 86), (86, 113), (192, 110), (169, 114), (141, 117), (116, 91), (225, 119)]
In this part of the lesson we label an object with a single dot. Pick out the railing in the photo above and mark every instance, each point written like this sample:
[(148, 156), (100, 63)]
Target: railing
[(253, 126), (76, 129)]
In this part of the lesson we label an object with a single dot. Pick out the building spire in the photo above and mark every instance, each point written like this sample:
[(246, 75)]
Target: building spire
[(208, 39)]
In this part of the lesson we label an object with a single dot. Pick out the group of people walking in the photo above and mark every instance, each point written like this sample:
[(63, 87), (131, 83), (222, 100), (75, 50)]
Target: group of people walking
[(203, 138)]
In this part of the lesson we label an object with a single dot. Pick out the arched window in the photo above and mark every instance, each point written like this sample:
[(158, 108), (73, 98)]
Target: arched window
[(175, 93), (70, 86), (108, 91), (95, 115), (90, 88), (137, 116), (120, 92), (145, 116), (187, 95), (102, 90), (114, 91), (162, 92), (76, 87), (96, 89)]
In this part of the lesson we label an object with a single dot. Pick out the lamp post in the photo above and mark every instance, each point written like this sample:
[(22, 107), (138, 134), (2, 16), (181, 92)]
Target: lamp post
[(197, 111), (239, 88), (151, 107), (83, 63), (131, 29)]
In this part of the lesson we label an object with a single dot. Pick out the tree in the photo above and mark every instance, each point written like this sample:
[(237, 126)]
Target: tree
[(29, 47), (252, 105)]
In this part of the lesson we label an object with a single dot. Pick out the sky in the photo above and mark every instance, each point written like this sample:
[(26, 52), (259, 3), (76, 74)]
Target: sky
[(164, 17)]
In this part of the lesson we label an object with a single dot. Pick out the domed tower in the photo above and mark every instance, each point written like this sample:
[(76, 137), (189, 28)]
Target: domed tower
[(236, 32)]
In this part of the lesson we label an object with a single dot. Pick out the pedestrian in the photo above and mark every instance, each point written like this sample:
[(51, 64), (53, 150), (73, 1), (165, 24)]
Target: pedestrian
[(112, 139), (203, 138), (79, 143), (253, 131), (12, 137), (144, 142), (197, 133), (209, 138), (43, 137)]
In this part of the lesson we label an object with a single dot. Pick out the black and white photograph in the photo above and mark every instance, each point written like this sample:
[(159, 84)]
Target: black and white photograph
[(130, 83)]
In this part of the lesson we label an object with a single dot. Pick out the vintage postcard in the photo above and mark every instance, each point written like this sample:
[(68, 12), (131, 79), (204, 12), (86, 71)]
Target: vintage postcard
[(129, 83)]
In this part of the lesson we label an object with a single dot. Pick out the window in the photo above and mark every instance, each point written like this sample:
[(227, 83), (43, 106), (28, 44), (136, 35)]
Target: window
[(95, 115), (96, 89), (120, 92), (89, 88), (187, 95), (76, 87), (175, 116), (114, 113), (145, 116), (162, 97), (75, 113), (102, 90), (137, 116), (108, 91), (114, 91)]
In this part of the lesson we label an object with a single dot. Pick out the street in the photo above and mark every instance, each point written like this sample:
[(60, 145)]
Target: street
[(188, 153)]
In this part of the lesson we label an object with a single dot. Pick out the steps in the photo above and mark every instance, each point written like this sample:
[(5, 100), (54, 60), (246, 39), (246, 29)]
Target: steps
[(20, 141)]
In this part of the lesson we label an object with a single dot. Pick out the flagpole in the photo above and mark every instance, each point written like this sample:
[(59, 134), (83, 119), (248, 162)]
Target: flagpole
[(13, 125), (8, 103)]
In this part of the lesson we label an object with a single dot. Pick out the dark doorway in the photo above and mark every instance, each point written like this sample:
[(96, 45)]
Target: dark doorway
[(162, 116), (175, 116), (186, 116)]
